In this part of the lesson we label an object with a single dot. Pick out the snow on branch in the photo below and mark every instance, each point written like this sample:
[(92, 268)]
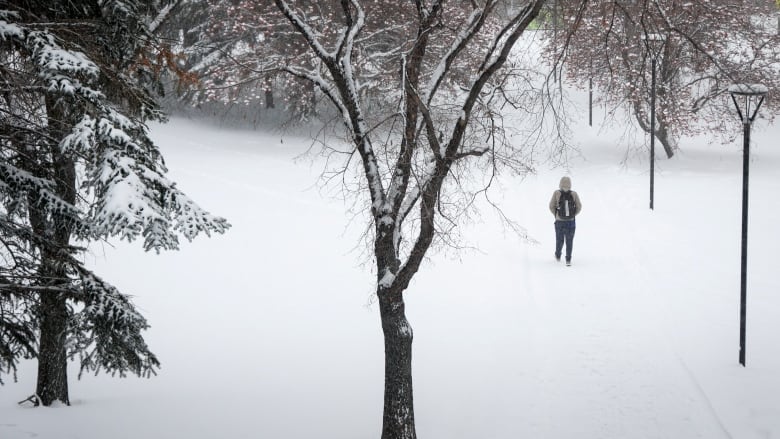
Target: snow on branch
[(340, 65), (325, 87), (40, 193), (304, 29), (494, 59), (50, 56), (17, 337), (9, 30), (133, 196), (344, 55), (475, 21), (107, 331), (125, 172), (347, 39), (61, 70), (477, 152), (162, 16)]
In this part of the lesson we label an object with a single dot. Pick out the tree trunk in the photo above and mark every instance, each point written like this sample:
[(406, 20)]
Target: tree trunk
[(52, 354), (269, 96), (661, 131), (52, 357), (667, 76), (52, 383), (310, 97), (398, 417), (663, 136)]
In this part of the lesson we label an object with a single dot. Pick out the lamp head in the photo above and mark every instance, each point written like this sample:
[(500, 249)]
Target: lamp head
[(752, 95), (654, 42), (759, 90)]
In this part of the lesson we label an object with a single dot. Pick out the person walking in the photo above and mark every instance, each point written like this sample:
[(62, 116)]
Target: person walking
[(565, 205)]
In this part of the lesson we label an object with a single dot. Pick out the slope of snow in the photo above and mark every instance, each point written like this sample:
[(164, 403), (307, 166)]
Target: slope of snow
[(269, 331)]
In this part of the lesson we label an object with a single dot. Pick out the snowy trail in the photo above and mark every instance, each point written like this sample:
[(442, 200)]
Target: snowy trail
[(605, 367)]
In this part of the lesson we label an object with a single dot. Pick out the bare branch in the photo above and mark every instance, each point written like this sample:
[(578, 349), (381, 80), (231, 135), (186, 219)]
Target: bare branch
[(305, 30)]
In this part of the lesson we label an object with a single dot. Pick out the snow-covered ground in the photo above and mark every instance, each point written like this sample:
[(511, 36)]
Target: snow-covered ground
[(270, 331)]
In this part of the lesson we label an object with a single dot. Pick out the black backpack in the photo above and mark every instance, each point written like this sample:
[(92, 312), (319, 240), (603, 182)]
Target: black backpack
[(566, 205)]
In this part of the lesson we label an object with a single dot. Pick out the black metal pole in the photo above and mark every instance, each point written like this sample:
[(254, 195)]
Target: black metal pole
[(743, 276), (652, 134), (590, 101), (555, 33)]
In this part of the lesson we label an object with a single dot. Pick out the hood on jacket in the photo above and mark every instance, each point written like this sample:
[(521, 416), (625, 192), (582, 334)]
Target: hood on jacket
[(565, 184)]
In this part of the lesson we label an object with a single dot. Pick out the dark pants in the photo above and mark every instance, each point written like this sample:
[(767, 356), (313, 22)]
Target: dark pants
[(564, 231)]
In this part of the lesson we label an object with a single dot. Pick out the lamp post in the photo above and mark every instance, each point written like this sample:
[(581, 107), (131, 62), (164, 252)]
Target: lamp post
[(654, 43), (590, 92), (746, 97)]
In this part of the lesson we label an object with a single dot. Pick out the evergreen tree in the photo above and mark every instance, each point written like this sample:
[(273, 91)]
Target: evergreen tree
[(77, 165)]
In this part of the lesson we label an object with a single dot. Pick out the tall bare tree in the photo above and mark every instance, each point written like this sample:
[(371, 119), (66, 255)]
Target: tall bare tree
[(411, 158)]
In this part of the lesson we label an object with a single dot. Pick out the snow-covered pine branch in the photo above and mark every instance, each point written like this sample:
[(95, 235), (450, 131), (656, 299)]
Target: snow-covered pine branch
[(18, 184), (17, 338), (107, 330), (77, 162), (132, 197)]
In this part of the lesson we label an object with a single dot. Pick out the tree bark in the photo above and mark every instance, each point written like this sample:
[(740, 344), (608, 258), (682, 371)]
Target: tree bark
[(269, 96), (52, 353), (52, 356), (398, 416), (661, 131), (667, 75), (663, 136), (52, 382)]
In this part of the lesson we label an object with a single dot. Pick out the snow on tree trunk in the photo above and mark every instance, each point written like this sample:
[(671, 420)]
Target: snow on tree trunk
[(398, 416)]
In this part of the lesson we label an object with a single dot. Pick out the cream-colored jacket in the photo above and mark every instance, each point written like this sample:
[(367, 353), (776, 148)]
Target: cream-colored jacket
[(565, 185)]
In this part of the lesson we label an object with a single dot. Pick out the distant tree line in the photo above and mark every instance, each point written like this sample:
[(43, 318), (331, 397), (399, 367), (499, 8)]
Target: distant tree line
[(704, 46)]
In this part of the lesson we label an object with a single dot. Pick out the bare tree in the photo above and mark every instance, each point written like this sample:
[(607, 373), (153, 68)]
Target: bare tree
[(706, 46), (236, 46), (413, 161)]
